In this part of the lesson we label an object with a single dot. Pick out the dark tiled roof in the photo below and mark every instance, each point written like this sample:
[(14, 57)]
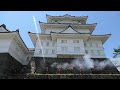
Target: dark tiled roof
[(4, 26)]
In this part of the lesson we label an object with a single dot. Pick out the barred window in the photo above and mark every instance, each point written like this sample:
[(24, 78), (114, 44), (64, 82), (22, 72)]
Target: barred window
[(40, 51), (64, 48), (85, 44), (86, 51), (53, 51), (53, 43), (41, 43), (47, 43), (92, 52), (75, 41), (98, 51), (76, 49), (46, 52), (63, 41)]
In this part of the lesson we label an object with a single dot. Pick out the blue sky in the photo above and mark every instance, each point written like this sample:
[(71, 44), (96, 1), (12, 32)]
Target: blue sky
[(108, 22)]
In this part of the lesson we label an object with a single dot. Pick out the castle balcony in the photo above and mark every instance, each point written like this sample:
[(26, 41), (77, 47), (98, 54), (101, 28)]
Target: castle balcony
[(69, 53)]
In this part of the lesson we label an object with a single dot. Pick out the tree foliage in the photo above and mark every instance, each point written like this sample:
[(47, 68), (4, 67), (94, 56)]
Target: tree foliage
[(116, 50)]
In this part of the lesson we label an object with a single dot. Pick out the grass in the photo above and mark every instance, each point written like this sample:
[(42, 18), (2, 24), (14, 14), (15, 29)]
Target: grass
[(61, 76), (73, 76)]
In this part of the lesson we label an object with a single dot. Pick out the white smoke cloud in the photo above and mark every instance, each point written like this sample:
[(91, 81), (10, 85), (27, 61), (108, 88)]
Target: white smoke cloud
[(65, 66), (78, 64), (54, 64), (89, 63), (85, 63), (59, 66), (101, 65)]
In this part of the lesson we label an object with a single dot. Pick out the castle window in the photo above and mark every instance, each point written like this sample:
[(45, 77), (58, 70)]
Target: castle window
[(92, 52), (90, 44), (85, 44), (53, 44), (47, 43), (96, 44), (98, 51), (46, 52), (86, 51), (75, 41), (53, 51), (41, 43), (64, 49), (76, 49), (63, 41), (101, 53), (93, 44), (47, 38), (40, 51)]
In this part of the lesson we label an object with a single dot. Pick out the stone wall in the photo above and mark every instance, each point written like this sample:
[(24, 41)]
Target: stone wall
[(9, 65), (41, 66)]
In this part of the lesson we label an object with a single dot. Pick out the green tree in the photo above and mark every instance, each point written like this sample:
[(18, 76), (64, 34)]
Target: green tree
[(116, 51)]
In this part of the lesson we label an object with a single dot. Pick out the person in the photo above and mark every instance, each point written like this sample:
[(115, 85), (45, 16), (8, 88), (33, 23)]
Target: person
[(33, 67), (33, 70), (46, 70), (71, 68), (58, 69), (91, 70), (81, 68), (23, 70)]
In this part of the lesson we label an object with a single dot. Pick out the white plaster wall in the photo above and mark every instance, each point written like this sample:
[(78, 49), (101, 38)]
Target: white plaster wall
[(91, 46), (83, 30), (4, 44), (17, 52), (70, 45), (43, 47)]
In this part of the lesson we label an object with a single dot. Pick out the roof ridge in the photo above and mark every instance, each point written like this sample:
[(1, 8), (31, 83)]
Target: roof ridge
[(4, 26)]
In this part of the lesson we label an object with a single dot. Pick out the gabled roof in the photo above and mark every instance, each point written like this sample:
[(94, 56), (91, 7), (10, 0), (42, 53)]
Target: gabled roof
[(66, 16), (22, 40), (13, 32), (69, 28), (18, 35), (91, 27), (103, 38), (4, 27), (33, 36)]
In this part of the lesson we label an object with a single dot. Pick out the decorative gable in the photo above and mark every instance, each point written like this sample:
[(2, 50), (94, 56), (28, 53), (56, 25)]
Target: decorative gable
[(69, 30), (3, 28)]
